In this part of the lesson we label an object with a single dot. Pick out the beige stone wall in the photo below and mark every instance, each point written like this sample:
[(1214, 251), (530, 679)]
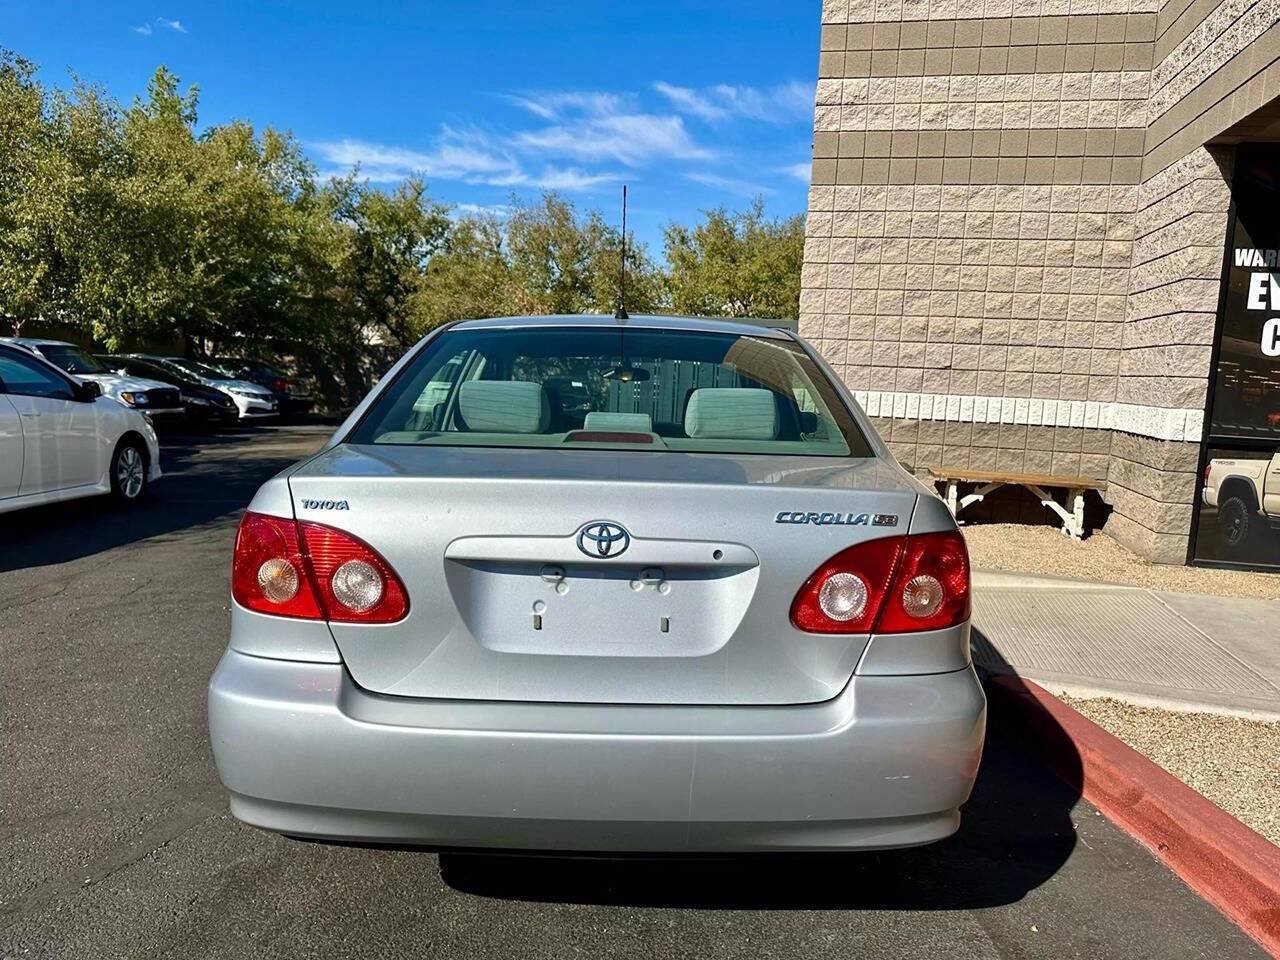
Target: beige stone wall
[(1168, 341), (1015, 232), (1215, 62), (972, 213)]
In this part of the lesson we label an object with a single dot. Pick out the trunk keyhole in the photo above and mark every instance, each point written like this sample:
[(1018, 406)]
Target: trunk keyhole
[(665, 624), (537, 621)]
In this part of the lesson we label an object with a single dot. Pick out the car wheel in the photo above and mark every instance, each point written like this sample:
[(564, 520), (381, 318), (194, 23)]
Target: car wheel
[(1234, 515), (129, 472)]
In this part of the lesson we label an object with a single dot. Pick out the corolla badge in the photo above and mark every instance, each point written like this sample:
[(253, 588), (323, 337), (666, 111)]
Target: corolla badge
[(603, 538)]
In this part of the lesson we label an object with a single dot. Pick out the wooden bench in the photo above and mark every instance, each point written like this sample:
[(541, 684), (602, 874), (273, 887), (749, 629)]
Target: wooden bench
[(988, 480)]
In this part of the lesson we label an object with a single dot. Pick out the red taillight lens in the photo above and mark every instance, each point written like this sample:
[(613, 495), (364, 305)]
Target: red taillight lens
[(268, 559), (283, 385), (313, 572), (931, 586), (892, 585)]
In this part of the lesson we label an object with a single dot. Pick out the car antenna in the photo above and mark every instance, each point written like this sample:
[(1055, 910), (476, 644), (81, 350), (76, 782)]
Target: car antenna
[(621, 313)]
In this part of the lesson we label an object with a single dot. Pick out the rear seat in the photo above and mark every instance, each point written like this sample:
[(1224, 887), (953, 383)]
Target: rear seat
[(731, 413)]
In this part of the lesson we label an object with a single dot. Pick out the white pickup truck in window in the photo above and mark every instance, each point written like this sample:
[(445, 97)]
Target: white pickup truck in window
[(1247, 495)]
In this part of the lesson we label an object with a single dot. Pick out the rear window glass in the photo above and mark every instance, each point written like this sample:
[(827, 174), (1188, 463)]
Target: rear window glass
[(625, 388)]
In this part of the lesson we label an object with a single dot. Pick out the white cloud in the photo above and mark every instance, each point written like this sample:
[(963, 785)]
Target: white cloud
[(468, 156), (577, 140), (741, 188), (551, 106), (786, 103), (480, 209), (594, 126), (146, 29), (569, 178), (631, 138), (799, 171)]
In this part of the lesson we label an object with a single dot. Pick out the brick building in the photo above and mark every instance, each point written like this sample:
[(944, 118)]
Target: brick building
[(1016, 232)]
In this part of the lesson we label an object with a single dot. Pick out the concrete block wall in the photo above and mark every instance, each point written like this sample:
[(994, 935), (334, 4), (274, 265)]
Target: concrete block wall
[(1215, 62), (1167, 346)]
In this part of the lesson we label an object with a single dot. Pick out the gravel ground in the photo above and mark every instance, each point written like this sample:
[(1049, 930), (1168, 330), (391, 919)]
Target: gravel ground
[(1020, 548), (1232, 761)]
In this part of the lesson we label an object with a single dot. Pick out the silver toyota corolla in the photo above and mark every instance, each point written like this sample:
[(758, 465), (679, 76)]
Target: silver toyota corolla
[(571, 583)]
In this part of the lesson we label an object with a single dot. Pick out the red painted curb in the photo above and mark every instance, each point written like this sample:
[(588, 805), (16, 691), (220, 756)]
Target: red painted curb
[(1229, 865)]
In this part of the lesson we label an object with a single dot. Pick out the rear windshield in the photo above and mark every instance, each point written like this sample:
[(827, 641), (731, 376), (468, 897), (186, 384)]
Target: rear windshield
[(631, 389)]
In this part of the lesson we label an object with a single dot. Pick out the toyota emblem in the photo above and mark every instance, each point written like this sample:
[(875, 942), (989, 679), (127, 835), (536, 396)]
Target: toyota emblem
[(603, 539)]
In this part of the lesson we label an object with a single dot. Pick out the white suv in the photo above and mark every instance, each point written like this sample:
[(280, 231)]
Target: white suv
[(61, 438)]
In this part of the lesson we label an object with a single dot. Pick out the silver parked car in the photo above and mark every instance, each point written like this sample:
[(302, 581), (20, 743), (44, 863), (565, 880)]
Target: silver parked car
[(694, 607)]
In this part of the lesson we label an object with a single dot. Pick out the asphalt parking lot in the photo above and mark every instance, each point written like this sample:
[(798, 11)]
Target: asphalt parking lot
[(115, 840)]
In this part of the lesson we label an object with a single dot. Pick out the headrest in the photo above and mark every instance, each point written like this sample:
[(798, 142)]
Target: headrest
[(731, 413), (504, 406), (625, 422)]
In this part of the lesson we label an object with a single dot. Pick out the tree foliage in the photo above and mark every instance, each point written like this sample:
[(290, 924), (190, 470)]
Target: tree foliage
[(736, 264), (135, 227)]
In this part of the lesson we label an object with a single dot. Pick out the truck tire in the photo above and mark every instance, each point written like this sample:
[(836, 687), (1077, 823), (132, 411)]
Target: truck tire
[(1235, 514)]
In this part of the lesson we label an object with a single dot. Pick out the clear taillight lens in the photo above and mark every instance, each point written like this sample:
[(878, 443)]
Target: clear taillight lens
[(313, 572), (891, 585)]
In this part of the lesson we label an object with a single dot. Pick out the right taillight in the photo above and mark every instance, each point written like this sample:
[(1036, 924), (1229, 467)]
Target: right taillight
[(311, 571), (930, 586), (890, 585)]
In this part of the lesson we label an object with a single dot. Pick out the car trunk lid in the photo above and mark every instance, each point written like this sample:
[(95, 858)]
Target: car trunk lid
[(600, 576)]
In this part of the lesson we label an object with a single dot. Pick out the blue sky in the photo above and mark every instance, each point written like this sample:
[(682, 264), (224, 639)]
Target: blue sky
[(694, 104)]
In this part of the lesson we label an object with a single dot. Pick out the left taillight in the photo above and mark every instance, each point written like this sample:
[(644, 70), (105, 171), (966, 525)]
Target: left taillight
[(313, 572)]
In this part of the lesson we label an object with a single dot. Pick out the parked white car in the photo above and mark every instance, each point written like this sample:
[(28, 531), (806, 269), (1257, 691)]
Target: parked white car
[(253, 400), (61, 438), (161, 401)]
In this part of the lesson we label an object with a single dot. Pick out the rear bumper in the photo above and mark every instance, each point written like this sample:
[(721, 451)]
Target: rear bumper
[(252, 407), (304, 751)]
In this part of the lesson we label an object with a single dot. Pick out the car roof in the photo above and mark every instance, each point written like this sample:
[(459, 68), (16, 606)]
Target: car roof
[(36, 342), (740, 326)]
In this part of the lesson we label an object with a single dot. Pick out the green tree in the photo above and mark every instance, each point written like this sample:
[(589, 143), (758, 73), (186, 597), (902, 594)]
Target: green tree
[(31, 267), (736, 265), (563, 263), (469, 277), (389, 239)]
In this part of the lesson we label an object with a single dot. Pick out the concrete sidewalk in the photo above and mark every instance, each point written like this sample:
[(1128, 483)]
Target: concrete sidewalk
[(1175, 650)]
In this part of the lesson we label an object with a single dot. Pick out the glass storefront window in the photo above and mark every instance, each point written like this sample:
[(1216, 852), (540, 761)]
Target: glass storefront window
[(1237, 519)]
